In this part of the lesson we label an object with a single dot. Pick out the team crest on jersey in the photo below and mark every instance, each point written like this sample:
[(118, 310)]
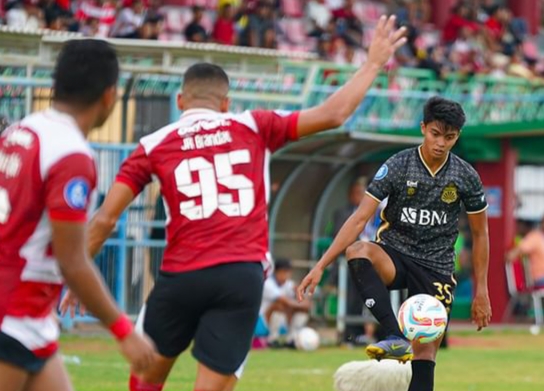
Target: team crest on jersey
[(449, 193), (411, 188), (382, 172), (76, 193)]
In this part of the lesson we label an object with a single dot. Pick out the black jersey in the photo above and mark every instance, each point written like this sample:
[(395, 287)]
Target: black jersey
[(422, 213)]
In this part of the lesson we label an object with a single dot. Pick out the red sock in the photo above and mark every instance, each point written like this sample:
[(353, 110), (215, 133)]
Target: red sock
[(136, 384)]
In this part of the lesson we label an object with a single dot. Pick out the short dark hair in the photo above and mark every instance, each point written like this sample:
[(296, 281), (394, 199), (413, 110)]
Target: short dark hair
[(282, 264), (85, 69), (445, 111), (205, 72)]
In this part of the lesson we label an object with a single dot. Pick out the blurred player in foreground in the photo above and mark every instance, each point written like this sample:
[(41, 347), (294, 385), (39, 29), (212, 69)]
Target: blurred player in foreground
[(47, 178), (425, 187), (212, 166)]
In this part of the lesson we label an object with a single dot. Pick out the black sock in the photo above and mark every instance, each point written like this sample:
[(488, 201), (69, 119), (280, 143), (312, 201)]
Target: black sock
[(422, 375), (375, 294)]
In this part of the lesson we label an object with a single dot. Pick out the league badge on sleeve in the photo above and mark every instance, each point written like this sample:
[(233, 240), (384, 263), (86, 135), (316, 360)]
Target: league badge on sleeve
[(382, 172), (76, 193)]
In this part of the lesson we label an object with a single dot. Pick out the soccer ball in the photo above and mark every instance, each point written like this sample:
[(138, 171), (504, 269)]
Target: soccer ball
[(307, 339), (423, 318)]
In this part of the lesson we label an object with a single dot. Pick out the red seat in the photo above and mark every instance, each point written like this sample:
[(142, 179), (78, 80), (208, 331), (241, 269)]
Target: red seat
[(518, 278)]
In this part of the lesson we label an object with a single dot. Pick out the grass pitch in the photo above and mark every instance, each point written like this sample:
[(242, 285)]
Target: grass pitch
[(489, 361)]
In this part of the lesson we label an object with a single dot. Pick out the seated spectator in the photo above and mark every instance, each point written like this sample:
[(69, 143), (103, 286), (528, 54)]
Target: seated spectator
[(435, 60), (104, 11), (319, 15), (25, 14), (54, 15), (348, 25), (494, 24), (90, 28), (223, 30), (195, 32), (260, 25), (457, 21), (129, 21), (324, 47), (498, 64), (279, 308), (532, 246), (153, 20)]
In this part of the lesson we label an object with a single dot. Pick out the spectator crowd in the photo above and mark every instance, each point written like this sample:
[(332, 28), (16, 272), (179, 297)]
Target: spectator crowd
[(480, 36)]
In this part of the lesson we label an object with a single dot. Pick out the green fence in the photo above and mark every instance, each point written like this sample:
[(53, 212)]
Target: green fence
[(394, 104)]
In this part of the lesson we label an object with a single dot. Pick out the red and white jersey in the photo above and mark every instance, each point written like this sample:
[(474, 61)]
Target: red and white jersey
[(214, 178), (47, 172)]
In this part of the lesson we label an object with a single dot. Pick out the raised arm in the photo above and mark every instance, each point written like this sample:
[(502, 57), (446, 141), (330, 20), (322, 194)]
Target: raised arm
[(339, 106), (481, 307)]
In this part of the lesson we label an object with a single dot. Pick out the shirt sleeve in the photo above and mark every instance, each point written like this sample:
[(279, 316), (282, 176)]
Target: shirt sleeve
[(383, 182), (135, 171), (474, 196), (276, 128), (68, 187)]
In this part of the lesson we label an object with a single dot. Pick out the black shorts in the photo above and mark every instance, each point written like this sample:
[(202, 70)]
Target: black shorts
[(418, 279), (218, 307), (15, 353)]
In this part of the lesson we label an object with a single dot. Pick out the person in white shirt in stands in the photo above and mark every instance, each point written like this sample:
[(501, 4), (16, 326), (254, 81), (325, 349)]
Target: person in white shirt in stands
[(279, 307)]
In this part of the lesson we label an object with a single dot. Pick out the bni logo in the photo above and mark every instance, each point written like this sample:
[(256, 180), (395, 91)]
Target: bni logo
[(423, 217)]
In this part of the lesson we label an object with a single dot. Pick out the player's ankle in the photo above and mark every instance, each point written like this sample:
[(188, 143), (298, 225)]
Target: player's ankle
[(136, 384)]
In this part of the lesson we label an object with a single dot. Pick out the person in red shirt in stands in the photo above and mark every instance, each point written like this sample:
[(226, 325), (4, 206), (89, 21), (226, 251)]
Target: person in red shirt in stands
[(223, 30), (458, 20)]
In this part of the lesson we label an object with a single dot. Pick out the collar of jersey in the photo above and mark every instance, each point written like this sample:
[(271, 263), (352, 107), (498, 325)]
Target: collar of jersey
[(61, 117), (431, 173), (190, 112)]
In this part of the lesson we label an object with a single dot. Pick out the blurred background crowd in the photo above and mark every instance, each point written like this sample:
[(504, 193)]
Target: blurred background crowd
[(476, 36)]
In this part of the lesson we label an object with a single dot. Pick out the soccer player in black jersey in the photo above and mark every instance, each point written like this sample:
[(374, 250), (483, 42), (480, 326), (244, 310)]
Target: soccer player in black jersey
[(426, 188)]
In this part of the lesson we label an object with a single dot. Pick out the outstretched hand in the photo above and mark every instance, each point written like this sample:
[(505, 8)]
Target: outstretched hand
[(309, 283), (387, 39), (481, 311)]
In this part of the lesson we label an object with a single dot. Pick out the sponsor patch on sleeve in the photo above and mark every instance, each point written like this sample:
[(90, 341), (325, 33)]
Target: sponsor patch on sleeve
[(382, 172), (76, 193)]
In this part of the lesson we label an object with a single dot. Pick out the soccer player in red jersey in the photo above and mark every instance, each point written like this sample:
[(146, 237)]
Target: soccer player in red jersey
[(213, 170), (47, 178)]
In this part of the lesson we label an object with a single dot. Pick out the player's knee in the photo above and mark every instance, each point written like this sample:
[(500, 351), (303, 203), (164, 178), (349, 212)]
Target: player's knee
[(357, 250)]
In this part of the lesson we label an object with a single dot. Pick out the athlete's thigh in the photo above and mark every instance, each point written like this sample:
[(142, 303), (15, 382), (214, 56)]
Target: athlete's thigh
[(53, 376), (171, 315), (389, 264), (225, 331), (17, 363), (423, 280), (13, 378)]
